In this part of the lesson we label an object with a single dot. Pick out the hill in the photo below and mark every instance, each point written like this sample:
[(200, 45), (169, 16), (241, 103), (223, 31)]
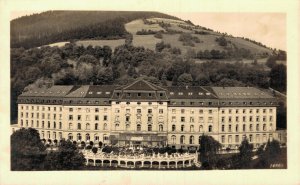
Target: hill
[(57, 26)]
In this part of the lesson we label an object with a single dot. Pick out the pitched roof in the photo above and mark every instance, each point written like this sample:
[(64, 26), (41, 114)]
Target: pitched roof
[(54, 91), (142, 85), (193, 92), (240, 93)]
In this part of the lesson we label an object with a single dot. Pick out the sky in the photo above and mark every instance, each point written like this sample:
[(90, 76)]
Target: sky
[(267, 28)]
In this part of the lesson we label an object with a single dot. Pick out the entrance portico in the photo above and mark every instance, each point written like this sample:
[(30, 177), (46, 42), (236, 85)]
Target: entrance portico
[(137, 140)]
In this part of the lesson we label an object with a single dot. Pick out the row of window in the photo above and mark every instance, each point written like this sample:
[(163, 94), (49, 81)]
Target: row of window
[(43, 108), (251, 138), (237, 119), (244, 127), (43, 115), (58, 126), (244, 111)]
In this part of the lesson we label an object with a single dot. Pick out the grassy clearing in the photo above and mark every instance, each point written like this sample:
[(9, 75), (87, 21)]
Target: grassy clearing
[(147, 41), (58, 44), (110, 43), (209, 43), (166, 20), (254, 48), (137, 25)]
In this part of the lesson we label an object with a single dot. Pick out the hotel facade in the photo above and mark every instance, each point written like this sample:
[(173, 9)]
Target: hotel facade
[(142, 113)]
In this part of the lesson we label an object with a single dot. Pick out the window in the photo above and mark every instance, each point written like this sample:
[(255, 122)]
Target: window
[(223, 128), (70, 109), (250, 127), (48, 124), (229, 119), (210, 128), (105, 126), (257, 118), (173, 111), (244, 118), (201, 111), (230, 139), (244, 111), (149, 111), (182, 119), (54, 124), (127, 118), (43, 124), (96, 109), (127, 127), (264, 127), (138, 127), (250, 138), (237, 119), (192, 128), (96, 126), (105, 118), (150, 94), (117, 118), (271, 118), (223, 119), (237, 111), (149, 119), (191, 139), (192, 119), (257, 138), (210, 111), (139, 111), (257, 127), (264, 110), (127, 111), (201, 120), (182, 138), (96, 118), (128, 94), (257, 111), (173, 128), (264, 118), (173, 118), (223, 139), (229, 111), (229, 128), (250, 118), (236, 138), (236, 128), (223, 111), (182, 111), (37, 124), (161, 111), (87, 127), (79, 126), (271, 110), (79, 137), (117, 110), (87, 117), (210, 119), (139, 94), (244, 127), (60, 125), (79, 117), (182, 128), (173, 138), (70, 126), (160, 128)]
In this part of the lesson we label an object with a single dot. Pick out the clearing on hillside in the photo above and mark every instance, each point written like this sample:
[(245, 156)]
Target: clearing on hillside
[(147, 41)]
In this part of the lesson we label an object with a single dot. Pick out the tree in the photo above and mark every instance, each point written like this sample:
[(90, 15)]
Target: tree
[(278, 77), (94, 150), (27, 150), (208, 151), (185, 79), (269, 155), (245, 155), (67, 157)]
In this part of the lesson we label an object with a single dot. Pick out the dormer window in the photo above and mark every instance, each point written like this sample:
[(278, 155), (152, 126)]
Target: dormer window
[(128, 94), (200, 93), (118, 94), (190, 93), (171, 93), (107, 92), (99, 92), (208, 94), (90, 92), (80, 92), (180, 93), (139, 94), (150, 94), (161, 94)]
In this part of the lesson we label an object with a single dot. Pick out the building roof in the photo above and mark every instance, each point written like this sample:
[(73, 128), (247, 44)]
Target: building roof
[(54, 91), (142, 85), (189, 92), (240, 93)]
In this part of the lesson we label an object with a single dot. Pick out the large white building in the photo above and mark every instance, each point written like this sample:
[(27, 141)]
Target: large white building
[(145, 114)]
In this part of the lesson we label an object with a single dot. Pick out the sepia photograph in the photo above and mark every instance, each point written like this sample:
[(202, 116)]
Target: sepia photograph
[(153, 91)]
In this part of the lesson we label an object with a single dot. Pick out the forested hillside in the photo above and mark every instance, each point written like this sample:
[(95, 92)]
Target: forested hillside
[(56, 26)]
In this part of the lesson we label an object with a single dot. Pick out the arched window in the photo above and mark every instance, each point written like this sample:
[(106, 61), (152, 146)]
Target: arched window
[(182, 128), (210, 128), (79, 126), (54, 124), (182, 138), (96, 126), (78, 137), (173, 128), (96, 137), (43, 134), (116, 126), (161, 128), (48, 134), (173, 139), (105, 126), (87, 126), (149, 127), (70, 126), (192, 128), (37, 124), (21, 123), (200, 128), (199, 140), (70, 136), (264, 127), (87, 137), (191, 139), (138, 127), (127, 126)]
